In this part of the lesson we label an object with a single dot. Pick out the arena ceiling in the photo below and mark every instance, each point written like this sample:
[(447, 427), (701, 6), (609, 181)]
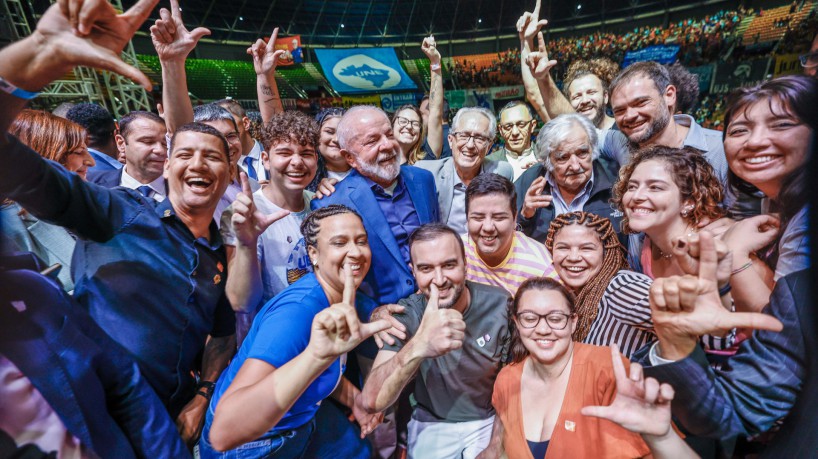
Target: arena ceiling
[(339, 23)]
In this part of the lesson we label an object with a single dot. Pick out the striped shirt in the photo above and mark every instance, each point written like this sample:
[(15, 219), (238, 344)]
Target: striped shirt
[(624, 314), (527, 258)]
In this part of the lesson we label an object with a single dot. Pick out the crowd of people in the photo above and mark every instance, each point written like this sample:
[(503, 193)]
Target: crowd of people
[(196, 282)]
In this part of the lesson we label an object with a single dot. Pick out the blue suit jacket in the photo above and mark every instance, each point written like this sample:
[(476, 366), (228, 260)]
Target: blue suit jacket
[(772, 374), (108, 178), (389, 278), (89, 381)]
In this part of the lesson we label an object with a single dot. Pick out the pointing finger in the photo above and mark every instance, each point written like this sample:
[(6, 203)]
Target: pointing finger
[(371, 328), (540, 42), (536, 12), (708, 260), (753, 320), (245, 184), (349, 285), (139, 13), (175, 11)]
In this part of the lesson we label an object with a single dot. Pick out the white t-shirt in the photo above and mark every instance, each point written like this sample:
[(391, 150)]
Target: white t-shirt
[(281, 248)]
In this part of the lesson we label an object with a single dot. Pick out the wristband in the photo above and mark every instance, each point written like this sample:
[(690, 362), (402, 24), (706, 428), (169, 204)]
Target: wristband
[(9, 88), (206, 389), (742, 268), (725, 290), (434, 66)]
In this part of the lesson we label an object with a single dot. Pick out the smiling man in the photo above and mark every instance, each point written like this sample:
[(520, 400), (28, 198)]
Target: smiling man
[(141, 139), (570, 177), (470, 139), (393, 200), (452, 323), (497, 254), (516, 126)]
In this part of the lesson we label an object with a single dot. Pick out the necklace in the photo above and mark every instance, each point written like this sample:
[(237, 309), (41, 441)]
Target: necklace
[(666, 256)]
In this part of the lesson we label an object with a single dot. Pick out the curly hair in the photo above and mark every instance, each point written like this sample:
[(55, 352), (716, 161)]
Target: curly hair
[(416, 152), (517, 348), (613, 261), (601, 67), (49, 135), (692, 174), (290, 126)]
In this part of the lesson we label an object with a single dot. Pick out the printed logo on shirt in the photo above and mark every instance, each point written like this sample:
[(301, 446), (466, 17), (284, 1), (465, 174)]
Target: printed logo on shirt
[(570, 426), (217, 279), (298, 263)]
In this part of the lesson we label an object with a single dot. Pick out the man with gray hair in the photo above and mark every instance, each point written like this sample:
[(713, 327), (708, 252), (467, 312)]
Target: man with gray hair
[(569, 177), (382, 191), (473, 129)]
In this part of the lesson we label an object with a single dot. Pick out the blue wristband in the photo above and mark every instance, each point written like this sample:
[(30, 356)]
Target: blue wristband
[(726, 289), (9, 88)]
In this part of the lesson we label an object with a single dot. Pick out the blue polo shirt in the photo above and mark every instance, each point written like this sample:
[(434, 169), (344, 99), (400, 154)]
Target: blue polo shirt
[(141, 274)]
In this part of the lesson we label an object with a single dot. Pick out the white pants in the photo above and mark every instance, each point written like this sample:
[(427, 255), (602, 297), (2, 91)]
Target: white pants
[(448, 440)]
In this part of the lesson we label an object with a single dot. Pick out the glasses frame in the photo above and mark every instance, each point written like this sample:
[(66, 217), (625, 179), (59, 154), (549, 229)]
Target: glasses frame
[(540, 317), (482, 142), (403, 121)]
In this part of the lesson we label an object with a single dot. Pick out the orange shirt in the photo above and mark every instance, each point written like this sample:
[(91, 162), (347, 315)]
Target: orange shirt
[(591, 382)]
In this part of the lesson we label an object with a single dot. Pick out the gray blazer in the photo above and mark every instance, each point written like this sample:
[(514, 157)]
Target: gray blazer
[(444, 173)]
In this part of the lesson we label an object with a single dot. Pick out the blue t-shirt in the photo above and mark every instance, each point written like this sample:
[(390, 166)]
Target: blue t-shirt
[(280, 332)]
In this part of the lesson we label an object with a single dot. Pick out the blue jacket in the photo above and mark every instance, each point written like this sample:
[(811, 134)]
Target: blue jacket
[(389, 278), (108, 178), (89, 381)]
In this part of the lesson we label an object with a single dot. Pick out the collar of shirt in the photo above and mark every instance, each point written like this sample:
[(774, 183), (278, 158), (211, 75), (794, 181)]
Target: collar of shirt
[(158, 185), (458, 182), (255, 152), (526, 153), (581, 197), (695, 136), (390, 191), (98, 155), (165, 211)]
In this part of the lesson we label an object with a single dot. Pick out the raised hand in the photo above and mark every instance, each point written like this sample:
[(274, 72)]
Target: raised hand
[(336, 329), (529, 24), (429, 48), (686, 307), (441, 330), (538, 60), (89, 33), (686, 252), (534, 198), (171, 38), (752, 234), (397, 329), (265, 56), (248, 222), (641, 405)]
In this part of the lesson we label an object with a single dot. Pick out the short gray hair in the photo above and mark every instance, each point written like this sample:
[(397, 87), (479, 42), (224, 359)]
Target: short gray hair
[(492, 132), (556, 131), (344, 130), (213, 112)]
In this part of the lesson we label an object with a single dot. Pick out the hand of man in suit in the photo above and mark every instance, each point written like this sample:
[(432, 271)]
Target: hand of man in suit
[(686, 307)]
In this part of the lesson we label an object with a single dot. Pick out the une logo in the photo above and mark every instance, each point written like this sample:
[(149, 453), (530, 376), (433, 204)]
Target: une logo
[(362, 72)]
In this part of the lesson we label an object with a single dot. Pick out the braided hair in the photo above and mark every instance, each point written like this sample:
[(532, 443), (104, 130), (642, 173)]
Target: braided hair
[(613, 260)]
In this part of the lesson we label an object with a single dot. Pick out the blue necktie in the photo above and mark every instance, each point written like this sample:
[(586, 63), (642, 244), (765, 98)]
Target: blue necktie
[(251, 171), (145, 190)]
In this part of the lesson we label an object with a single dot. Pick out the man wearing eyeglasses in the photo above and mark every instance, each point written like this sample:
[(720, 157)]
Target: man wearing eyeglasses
[(516, 126), (810, 60), (457, 338), (473, 129)]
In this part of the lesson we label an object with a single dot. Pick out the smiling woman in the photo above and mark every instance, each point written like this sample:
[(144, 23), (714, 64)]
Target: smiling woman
[(407, 124)]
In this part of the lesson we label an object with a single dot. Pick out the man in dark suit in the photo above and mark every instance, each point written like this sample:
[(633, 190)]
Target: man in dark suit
[(393, 200), (141, 139), (771, 376), (55, 359)]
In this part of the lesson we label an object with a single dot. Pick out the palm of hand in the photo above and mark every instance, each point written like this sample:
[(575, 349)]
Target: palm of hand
[(110, 34), (630, 410)]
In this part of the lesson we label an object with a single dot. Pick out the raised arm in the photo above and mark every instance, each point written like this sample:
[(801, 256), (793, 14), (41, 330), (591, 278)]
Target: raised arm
[(434, 129), (440, 331), (527, 28), (555, 103), (173, 42), (265, 60)]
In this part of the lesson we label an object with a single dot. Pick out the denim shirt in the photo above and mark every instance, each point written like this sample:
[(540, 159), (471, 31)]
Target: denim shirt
[(138, 270)]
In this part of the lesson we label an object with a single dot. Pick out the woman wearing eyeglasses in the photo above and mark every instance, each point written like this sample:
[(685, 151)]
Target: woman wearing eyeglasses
[(540, 396), (408, 127)]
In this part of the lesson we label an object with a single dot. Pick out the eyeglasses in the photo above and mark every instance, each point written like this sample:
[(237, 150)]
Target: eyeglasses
[(555, 320), (464, 137), (809, 60), (520, 125), (404, 121)]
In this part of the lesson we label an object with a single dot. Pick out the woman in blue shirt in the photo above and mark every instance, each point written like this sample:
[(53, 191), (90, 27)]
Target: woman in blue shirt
[(265, 402)]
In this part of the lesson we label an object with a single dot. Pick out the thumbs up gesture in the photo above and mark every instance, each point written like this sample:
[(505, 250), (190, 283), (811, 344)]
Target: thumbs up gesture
[(336, 329), (248, 222), (441, 330), (686, 307)]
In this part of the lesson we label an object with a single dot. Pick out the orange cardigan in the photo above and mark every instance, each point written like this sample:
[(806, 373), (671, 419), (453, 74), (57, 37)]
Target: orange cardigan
[(591, 382)]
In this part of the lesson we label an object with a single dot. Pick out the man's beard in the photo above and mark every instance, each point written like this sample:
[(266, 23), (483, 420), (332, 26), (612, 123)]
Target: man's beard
[(458, 291), (599, 117), (656, 126), (378, 172)]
